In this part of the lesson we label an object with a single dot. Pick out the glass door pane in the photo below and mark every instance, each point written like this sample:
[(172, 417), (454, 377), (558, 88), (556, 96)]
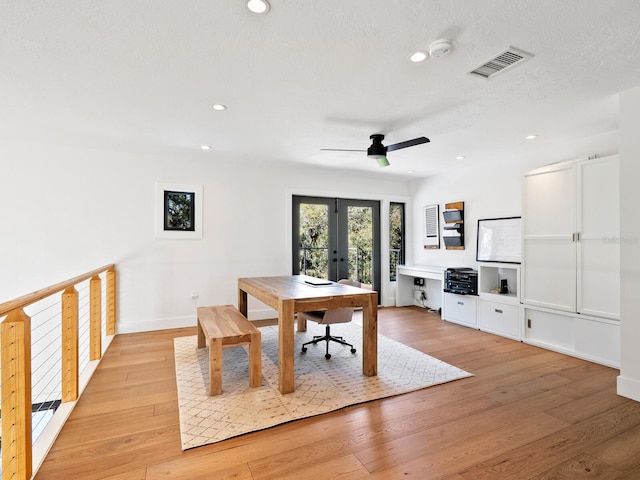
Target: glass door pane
[(359, 239), (314, 221)]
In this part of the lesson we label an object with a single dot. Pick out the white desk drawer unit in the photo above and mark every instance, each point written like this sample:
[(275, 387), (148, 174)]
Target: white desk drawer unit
[(461, 309), (500, 318)]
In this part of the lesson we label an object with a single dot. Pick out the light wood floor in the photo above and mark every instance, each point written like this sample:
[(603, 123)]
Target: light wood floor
[(527, 413)]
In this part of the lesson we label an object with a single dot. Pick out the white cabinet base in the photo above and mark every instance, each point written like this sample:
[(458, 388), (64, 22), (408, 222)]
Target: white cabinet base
[(593, 339)]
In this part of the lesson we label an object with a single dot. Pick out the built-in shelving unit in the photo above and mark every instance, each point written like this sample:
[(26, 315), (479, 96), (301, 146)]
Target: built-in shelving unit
[(499, 292)]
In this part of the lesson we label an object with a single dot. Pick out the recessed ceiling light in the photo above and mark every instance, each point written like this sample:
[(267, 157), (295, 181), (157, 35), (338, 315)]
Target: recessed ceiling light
[(418, 56), (258, 6), (460, 157), (411, 171), (531, 137), (205, 147), (219, 107)]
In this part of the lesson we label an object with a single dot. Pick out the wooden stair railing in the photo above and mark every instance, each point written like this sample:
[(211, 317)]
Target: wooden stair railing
[(15, 354)]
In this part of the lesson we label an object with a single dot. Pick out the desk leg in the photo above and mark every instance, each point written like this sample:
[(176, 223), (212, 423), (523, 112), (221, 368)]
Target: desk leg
[(285, 342), (370, 336), (242, 302)]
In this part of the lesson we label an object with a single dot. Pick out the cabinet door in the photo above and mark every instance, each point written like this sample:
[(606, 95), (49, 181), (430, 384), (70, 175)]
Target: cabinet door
[(549, 250), (460, 309), (598, 275), (499, 318)]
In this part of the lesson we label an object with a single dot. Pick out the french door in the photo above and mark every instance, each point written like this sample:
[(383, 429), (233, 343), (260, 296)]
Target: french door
[(337, 238)]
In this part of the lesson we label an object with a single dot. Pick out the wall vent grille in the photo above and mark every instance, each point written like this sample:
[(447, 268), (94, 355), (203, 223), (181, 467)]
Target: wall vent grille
[(504, 60)]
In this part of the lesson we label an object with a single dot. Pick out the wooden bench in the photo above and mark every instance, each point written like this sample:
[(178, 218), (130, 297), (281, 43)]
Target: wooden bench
[(224, 326)]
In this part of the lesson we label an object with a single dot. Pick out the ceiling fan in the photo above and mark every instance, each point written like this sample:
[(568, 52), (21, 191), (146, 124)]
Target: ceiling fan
[(378, 151)]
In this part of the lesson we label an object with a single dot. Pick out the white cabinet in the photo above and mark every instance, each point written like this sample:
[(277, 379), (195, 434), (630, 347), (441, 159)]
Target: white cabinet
[(571, 258), (461, 309), (499, 313), (598, 245), (571, 251)]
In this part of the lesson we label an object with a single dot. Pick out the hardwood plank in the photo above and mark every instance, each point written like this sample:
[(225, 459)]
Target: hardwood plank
[(527, 413), (556, 449), (346, 467), (622, 451), (589, 406), (582, 467), (197, 471)]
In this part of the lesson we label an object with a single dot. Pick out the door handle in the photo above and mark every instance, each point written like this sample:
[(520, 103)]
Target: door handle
[(342, 259), (334, 259)]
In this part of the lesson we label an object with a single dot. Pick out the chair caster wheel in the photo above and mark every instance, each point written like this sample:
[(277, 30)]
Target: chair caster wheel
[(353, 350), (327, 356), (304, 349)]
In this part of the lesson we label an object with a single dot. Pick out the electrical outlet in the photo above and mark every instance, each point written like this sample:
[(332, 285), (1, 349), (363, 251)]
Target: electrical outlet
[(423, 295), (194, 295)]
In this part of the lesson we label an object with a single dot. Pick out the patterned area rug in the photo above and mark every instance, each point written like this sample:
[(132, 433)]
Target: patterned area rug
[(321, 385)]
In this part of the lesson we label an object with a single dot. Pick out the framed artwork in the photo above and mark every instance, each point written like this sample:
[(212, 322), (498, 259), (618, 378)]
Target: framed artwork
[(178, 210)]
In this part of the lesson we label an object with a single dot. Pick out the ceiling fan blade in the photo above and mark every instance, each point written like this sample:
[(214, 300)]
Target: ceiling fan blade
[(340, 150), (408, 143)]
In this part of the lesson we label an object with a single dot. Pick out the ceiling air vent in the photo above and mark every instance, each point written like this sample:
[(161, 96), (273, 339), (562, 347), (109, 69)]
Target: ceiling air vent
[(507, 59)]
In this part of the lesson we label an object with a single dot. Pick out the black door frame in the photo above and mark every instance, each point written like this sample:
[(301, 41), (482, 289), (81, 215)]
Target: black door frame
[(338, 241)]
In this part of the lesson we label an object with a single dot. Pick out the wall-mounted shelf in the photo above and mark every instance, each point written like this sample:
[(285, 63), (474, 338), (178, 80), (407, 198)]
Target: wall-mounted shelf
[(453, 226)]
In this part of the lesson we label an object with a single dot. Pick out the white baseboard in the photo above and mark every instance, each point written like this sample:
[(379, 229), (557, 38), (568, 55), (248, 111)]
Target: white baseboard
[(628, 387), (180, 322)]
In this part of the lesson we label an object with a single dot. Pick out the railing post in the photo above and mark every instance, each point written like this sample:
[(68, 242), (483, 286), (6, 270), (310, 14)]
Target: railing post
[(70, 345), (15, 344), (95, 318), (111, 301)]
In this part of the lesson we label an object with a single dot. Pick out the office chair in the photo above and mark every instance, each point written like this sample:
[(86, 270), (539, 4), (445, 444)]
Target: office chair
[(328, 318)]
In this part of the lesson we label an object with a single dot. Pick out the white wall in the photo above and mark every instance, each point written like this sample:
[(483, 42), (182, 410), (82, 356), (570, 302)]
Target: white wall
[(629, 379), (67, 211), (489, 188)]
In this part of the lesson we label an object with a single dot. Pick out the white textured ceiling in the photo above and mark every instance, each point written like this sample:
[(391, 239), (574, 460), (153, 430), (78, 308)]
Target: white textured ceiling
[(142, 75)]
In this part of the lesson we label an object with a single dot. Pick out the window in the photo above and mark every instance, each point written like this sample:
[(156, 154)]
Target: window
[(396, 238)]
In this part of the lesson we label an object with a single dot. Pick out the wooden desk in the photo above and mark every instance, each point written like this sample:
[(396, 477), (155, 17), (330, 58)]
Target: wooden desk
[(290, 294)]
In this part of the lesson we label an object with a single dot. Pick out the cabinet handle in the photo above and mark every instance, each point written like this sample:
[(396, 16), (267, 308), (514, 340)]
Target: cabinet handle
[(498, 311), (460, 303)]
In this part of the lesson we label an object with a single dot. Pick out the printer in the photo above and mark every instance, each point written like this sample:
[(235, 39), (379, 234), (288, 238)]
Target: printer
[(463, 281)]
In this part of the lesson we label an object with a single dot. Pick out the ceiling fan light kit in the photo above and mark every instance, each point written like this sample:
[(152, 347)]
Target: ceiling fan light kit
[(382, 161), (378, 152)]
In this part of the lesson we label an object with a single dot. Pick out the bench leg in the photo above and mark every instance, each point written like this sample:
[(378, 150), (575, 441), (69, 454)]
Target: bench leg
[(215, 366), (255, 360)]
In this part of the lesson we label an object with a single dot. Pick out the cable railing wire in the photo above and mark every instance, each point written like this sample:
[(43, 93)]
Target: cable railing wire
[(44, 311)]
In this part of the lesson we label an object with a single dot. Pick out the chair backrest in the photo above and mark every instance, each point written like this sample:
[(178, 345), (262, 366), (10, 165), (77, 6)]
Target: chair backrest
[(340, 315)]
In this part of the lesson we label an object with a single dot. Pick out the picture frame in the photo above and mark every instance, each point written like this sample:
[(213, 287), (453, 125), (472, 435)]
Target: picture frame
[(178, 211)]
